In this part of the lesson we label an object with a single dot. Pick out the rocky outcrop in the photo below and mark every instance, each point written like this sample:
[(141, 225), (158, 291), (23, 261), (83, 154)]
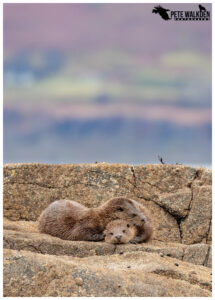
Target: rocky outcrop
[(178, 197), (177, 262), (131, 274), (24, 235)]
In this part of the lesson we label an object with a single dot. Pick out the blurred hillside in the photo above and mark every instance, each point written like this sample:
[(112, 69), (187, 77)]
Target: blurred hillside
[(111, 78)]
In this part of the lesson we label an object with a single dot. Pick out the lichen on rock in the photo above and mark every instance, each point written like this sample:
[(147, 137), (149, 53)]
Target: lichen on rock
[(177, 262)]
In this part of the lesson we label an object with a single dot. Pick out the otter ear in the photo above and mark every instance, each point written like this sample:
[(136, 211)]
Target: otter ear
[(128, 225)]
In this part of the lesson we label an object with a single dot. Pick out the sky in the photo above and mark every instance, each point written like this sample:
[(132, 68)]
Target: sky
[(109, 82)]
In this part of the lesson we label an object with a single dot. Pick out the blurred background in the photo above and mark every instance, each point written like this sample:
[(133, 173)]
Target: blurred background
[(106, 82)]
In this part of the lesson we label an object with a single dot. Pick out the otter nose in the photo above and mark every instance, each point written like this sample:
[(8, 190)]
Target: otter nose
[(118, 237)]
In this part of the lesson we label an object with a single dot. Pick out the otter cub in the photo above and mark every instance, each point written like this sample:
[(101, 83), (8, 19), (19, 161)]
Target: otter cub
[(119, 232), (70, 220)]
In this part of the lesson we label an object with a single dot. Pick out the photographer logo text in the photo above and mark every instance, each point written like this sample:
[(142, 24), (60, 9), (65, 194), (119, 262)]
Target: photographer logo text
[(201, 14)]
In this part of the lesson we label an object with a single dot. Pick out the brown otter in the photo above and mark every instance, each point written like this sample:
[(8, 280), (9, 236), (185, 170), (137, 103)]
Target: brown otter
[(70, 220), (144, 229), (119, 232)]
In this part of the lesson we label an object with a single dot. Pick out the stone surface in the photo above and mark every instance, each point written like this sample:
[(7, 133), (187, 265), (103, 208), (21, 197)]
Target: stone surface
[(167, 190), (24, 235), (23, 226), (204, 177), (177, 262), (30, 188), (196, 253), (165, 225), (197, 225), (27, 274), (208, 260), (209, 237), (46, 244), (176, 203), (152, 180)]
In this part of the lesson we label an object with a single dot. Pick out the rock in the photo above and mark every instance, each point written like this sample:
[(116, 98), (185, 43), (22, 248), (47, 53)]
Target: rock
[(178, 197), (176, 263), (36, 275), (208, 259), (196, 253), (164, 189), (30, 188), (196, 226), (79, 281), (166, 248), (45, 244), (20, 235), (23, 226), (209, 237), (165, 225), (204, 177), (152, 180), (176, 203)]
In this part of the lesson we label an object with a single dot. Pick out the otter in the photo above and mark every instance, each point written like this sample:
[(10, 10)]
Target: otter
[(119, 232), (139, 231), (69, 220), (144, 228)]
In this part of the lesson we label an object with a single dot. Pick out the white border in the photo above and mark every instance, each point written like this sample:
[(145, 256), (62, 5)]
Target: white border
[(1, 115)]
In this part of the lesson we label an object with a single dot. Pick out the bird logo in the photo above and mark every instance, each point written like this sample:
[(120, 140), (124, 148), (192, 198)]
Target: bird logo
[(162, 12), (202, 8)]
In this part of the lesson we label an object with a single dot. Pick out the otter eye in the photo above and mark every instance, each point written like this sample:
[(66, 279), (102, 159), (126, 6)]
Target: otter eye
[(124, 231), (120, 209), (111, 233), (134, 215), (128, 225)]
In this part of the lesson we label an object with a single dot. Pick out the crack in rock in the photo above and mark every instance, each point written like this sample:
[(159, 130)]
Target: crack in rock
[(179, 220), (32, 246), (206, 257), (209, 227)]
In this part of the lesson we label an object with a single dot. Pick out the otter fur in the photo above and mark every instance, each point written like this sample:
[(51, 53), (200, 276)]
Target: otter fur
[(119, 232), (144, 228), (70, 220)]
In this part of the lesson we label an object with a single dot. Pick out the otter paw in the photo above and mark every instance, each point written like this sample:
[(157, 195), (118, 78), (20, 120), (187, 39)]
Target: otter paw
[(97, 237), (133, 242)]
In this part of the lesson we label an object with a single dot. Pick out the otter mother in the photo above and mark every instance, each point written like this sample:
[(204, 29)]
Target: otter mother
[(70, 220)]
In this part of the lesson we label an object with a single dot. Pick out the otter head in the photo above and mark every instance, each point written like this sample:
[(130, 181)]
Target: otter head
[(127, 209), (119, 232)]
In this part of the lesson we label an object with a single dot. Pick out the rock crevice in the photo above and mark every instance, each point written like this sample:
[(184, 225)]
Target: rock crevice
[(177, 262)]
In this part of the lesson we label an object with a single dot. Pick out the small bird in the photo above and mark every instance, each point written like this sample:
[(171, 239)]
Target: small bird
[(202, 8)]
